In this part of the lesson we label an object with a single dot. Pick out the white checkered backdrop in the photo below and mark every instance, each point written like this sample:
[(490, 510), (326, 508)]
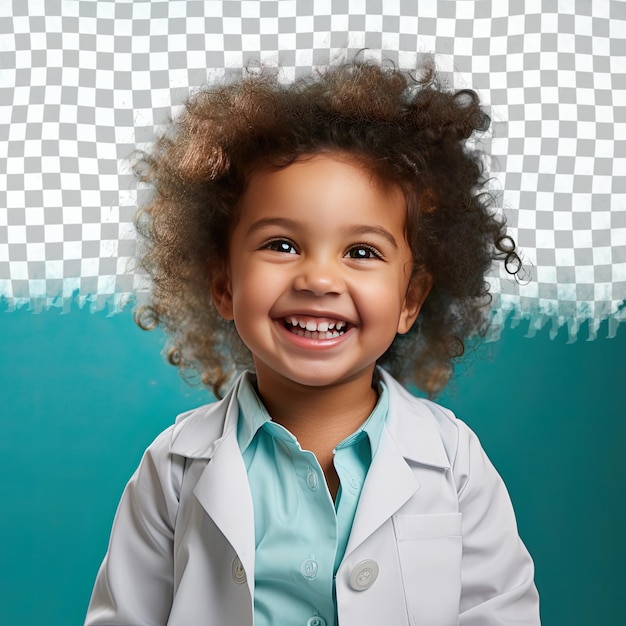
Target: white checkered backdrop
[(83, 83)]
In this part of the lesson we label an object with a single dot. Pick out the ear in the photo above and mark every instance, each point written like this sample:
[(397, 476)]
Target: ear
[(221, 293), (416, 293)]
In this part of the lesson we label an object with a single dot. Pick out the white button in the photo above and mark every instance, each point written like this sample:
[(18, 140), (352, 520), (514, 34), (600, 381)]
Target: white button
[(363, 575), (309, 569), (237, 571), (316, 621), (311, 479)]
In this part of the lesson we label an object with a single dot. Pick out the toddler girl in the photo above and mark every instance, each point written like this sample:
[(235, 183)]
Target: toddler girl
[(327, 238)]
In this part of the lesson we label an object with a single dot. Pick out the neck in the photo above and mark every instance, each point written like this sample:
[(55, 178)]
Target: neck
[(319, 417)]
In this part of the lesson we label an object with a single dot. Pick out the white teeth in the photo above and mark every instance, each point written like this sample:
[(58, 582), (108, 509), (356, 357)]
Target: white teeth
[(312, 334), (312, 329)]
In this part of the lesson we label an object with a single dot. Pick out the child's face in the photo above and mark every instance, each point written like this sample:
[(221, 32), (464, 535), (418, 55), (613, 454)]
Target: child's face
[(319, 274)]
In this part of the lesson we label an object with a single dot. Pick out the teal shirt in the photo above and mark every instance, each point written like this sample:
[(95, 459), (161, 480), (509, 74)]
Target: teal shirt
[(300, 533)]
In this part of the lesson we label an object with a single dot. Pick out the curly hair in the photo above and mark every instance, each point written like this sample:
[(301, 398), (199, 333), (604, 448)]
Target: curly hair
[(406, 130)]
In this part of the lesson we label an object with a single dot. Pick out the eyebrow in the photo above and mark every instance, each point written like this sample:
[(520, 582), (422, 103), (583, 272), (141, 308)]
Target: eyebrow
[(375, 230), (271, 221), (354, 230)]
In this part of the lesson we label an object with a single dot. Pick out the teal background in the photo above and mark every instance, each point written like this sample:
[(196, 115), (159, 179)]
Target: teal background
[(83, 394)]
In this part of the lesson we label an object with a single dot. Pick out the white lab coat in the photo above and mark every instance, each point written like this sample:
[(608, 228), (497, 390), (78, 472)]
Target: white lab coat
[(434, 517)]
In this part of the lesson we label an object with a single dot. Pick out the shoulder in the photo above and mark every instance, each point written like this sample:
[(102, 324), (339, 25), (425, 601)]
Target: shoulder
[(194, 432), (197, 432), (427, 432), (194, 435)]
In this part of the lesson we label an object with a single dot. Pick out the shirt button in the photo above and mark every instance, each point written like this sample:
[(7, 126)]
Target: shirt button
[(309, 569), (238, 572), (311, 479), (363, 575), (355, 483), (316, 620)]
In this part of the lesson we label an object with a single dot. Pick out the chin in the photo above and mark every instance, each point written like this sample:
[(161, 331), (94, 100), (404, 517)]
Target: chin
[(325, 378)]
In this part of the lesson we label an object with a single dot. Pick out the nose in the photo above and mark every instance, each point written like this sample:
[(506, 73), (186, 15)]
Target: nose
[(318, 277)]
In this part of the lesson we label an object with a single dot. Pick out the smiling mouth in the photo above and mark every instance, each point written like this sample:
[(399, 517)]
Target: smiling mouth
[(314, 329)]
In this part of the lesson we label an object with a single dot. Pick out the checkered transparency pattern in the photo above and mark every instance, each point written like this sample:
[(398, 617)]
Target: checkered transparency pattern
[(83, 83)]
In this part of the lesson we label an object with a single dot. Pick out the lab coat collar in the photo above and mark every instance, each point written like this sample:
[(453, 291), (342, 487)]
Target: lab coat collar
[(413, 425), (200, 432)]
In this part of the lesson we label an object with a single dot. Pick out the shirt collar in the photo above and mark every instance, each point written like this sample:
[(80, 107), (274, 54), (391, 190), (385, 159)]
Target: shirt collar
[(253, 415), (373, 425), (252, 412), (417, 427)]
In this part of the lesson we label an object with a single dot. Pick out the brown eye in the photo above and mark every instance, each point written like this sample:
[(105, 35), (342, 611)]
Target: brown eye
[(363, 252), (281, 245)]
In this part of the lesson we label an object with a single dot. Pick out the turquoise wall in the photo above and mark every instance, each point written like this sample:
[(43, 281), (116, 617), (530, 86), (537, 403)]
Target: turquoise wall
[(84, 394)]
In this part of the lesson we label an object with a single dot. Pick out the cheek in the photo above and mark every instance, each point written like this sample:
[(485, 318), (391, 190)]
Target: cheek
[(252, 292), (382, 302), (246, 287)]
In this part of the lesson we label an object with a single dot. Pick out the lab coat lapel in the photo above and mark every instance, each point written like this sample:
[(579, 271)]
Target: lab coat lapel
[(224, 493), (222, 490), (409, 440), (389, 484)]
